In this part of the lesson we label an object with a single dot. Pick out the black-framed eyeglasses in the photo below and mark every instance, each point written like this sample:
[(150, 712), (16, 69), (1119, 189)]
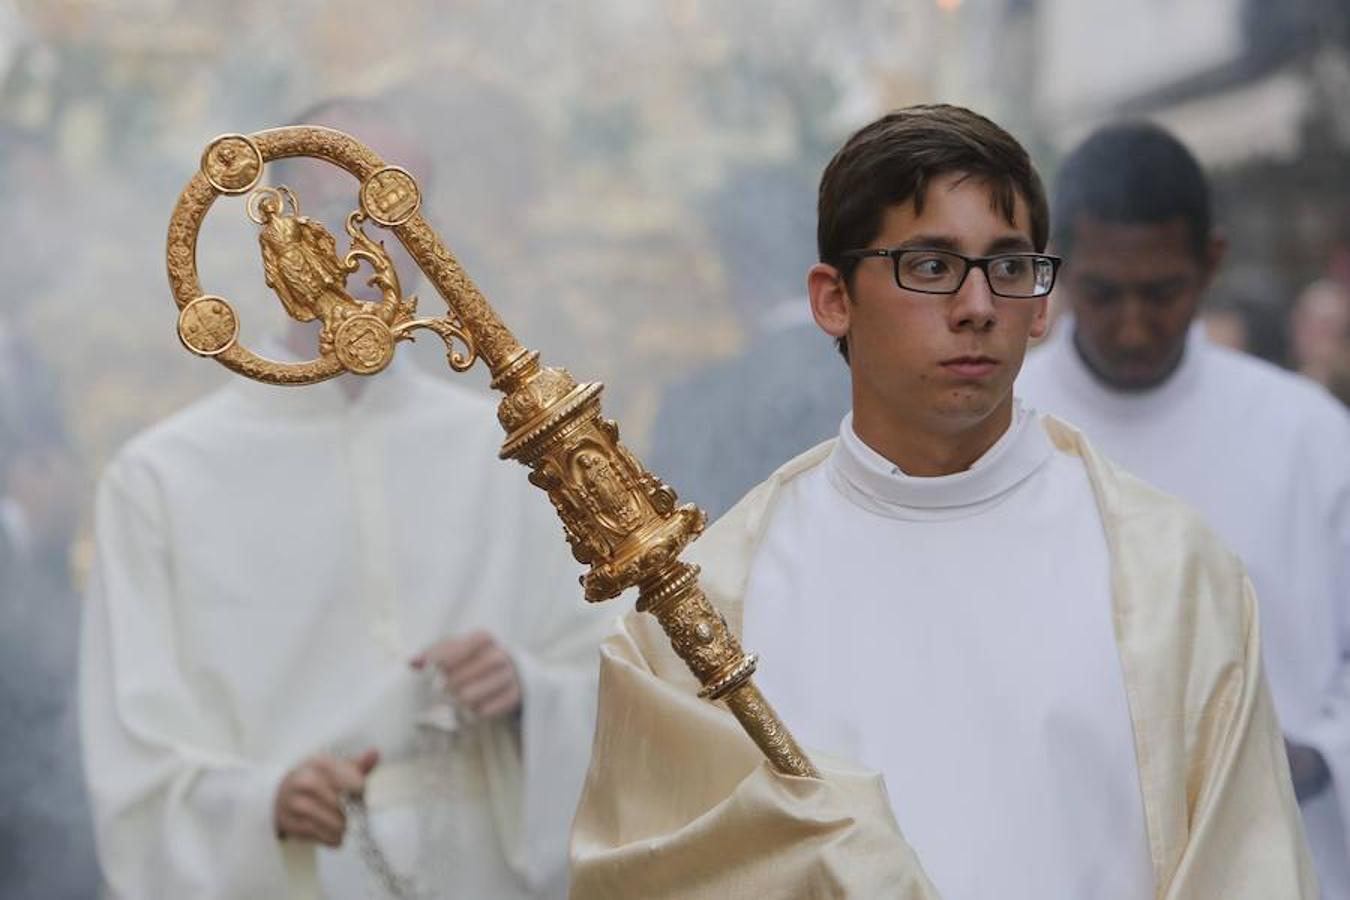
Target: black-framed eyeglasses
[(931, 271)]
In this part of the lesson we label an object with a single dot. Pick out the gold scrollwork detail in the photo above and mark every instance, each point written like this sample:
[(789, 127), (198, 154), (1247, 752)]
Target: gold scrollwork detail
[(449, 331)]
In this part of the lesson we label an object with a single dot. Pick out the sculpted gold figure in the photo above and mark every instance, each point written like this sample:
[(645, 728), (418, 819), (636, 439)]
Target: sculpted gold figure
[(620, 519), (301, 264)]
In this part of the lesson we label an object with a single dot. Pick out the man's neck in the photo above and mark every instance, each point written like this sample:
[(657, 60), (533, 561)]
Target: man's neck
[(1319, 372), (930, 453)]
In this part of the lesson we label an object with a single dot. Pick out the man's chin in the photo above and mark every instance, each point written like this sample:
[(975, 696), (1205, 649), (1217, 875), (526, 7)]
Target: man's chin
[(1130, 373), (971, 404), (1136, 377)]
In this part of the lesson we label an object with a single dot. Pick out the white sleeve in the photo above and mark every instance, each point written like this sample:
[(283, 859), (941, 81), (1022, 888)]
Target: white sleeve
[(1331, 734), (176, 812), (536, 774)]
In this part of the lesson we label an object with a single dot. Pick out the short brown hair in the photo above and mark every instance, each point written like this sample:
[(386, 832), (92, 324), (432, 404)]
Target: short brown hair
[(893, 160)]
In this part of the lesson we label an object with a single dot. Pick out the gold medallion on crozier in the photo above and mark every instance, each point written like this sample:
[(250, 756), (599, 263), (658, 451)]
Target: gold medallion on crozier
[(364, 344), (390, 196), (208, 326), (232, 164)]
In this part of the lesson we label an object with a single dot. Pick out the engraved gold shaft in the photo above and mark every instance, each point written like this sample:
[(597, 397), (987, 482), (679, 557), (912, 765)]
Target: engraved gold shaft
[(768, 731)]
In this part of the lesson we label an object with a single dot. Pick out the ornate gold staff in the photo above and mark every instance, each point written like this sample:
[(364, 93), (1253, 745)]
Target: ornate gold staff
[(620, 519)]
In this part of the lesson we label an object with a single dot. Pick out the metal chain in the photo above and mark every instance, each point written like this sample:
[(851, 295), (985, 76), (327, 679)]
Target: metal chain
[(396, 885), (440, 736)]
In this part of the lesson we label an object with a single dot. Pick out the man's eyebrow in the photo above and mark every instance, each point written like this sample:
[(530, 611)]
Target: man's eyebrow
[(1008, 243), (1011, 243), (930, 241)]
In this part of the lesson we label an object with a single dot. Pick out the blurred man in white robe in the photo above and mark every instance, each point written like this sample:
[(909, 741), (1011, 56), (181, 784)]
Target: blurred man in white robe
[(1263, 454), (713, 443), (1055, 668), (280, 572)]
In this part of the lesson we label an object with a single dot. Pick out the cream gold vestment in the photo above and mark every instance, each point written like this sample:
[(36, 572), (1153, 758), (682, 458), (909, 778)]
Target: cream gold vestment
[(677, 803)]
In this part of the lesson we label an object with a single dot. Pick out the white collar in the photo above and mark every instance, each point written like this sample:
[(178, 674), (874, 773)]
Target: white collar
[(874, 483)]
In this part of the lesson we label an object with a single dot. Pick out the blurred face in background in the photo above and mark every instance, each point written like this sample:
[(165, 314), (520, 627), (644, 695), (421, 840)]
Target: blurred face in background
[(1134, 289), (1320, 329)]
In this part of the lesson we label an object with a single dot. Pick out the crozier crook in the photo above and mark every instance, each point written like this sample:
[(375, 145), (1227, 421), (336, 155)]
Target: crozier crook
[(620, 519)]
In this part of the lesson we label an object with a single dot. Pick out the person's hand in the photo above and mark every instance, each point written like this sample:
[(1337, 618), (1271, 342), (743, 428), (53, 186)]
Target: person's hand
[(1308, 770), (308, 805), (478, 673)]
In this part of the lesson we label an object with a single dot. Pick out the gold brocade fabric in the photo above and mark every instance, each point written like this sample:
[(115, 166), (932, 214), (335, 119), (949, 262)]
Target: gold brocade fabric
[(683, 805), (679, 804)]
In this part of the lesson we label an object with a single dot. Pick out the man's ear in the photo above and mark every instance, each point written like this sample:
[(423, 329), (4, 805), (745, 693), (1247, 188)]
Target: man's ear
[(1040, 322), (830, 304)]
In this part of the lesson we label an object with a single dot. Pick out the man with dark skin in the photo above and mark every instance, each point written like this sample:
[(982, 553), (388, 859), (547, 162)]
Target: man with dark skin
[(1136, 289), (1264, 455)]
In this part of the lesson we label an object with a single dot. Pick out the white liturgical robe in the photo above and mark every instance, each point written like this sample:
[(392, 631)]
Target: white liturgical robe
[(948, 616), (1055, 667), (1264, 455), (268, 562)]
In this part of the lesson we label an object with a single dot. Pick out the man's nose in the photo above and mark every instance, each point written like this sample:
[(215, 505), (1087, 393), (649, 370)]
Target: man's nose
[(973, 306), (1132, 331)]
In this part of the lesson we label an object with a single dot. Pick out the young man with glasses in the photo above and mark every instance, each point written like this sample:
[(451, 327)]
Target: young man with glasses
[(1263, 454), (1055, 668)]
